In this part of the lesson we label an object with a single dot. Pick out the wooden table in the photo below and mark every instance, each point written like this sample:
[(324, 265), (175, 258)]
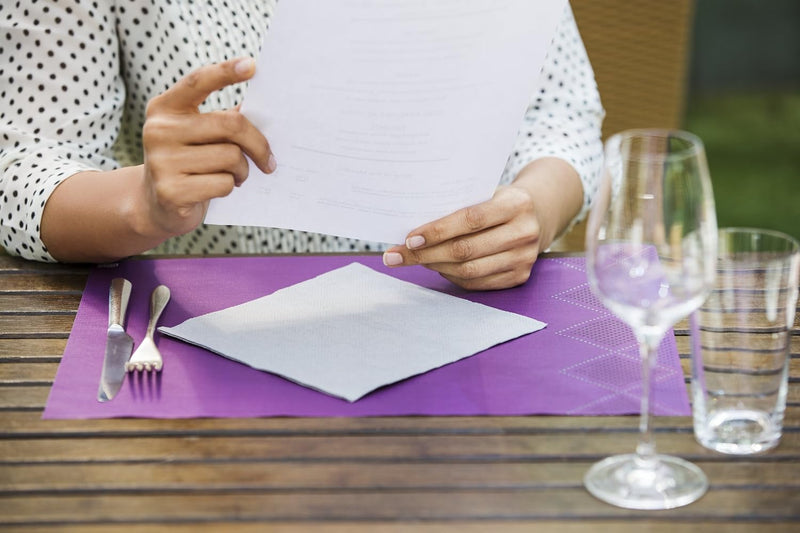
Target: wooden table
[(305, 474)]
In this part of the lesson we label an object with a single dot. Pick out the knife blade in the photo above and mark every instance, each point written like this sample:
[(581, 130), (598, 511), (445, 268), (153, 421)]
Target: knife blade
[(119, 345)]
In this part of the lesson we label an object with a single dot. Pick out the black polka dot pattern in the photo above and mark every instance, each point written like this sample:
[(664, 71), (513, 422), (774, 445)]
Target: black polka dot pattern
[(565, 115), (76, 76)]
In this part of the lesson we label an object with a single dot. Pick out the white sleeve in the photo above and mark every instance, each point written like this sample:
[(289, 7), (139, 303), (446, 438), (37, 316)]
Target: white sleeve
[(60, 108), (565, 115)]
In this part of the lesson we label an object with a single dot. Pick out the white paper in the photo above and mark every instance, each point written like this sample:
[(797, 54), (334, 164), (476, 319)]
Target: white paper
[(387, 114), (352, 330)]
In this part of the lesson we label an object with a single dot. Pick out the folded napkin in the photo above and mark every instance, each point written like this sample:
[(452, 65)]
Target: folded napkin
[(352, 330)]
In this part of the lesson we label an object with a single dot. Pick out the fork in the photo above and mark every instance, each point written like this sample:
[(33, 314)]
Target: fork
[(147, 357)]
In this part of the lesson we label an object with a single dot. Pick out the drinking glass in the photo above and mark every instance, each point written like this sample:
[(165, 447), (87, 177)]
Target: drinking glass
[(651, 246), (741, 342)]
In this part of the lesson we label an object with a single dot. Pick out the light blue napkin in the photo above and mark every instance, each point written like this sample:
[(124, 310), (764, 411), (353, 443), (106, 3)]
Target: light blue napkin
[(352, 330)]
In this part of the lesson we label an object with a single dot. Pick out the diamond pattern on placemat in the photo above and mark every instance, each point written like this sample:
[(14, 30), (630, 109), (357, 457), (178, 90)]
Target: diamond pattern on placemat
[(575, 263), (619, 373), (615, 371), (611, 371), (603, 332), (618, 367), (581, 296)]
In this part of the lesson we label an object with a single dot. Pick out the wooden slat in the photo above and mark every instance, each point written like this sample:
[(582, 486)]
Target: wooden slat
[(567, 502), (418, 526), (31, 348), (39, 303), (27, 397), (37, 282), (35, 326), (245, 476), (683, 343), (417, 448), (15, 265), (26, 372), (21, 423), (794, 366)]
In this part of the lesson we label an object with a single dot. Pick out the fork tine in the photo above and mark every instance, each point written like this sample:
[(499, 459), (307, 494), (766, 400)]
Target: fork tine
[(145, 358)]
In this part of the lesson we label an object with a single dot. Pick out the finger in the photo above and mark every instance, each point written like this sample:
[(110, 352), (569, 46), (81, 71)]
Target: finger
[(232, 126), (502, 270), (214, 185), (465, 221), (456, 250), (193, 189), (485, 266), (173, 165), (210, 128), (501, 280), (482, 244), (215, 159), (191, 90)]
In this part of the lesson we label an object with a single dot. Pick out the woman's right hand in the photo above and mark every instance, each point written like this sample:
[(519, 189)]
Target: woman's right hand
[(191, 157)]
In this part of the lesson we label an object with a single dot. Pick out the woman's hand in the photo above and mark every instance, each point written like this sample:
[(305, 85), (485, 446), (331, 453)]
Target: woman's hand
[(494, 244), (491, 245), (191, 157)]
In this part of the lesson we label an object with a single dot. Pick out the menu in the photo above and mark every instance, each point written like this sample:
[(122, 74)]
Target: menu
[(387, 114)]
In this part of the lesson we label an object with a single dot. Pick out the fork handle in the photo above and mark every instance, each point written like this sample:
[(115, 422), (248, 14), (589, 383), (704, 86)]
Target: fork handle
[(158, 301)]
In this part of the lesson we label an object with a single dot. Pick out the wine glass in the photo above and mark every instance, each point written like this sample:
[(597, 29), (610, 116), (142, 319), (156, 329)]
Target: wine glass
[(651, 246)]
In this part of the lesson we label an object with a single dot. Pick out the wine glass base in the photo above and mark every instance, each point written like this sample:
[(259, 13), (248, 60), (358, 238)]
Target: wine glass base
[(664, 482)]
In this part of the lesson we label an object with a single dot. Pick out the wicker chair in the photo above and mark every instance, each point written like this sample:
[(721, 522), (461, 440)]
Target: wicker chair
[(639, 51)]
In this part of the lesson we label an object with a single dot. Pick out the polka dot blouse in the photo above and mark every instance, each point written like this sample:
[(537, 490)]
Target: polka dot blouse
[(76, 76)]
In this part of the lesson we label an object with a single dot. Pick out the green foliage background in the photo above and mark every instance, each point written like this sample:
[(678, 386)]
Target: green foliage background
[(753, 146)]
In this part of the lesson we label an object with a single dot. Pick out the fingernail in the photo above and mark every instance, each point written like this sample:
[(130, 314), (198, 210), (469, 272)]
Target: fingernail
[(245, 66), (271, 163), (415, 241), (392, 259)]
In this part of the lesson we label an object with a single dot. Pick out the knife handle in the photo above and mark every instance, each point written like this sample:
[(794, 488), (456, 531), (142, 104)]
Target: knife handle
[(118, 297)]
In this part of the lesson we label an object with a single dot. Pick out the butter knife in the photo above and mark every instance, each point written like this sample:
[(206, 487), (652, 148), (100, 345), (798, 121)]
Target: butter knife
[(119, 345)]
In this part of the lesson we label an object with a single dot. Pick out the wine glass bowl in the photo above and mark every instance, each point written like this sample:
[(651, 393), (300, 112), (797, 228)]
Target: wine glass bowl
[(650, 259)]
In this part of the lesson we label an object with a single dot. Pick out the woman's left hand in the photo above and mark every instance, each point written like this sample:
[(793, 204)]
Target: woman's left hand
[(491, 245)]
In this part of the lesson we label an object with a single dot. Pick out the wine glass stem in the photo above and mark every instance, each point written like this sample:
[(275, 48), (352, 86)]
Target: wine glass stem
[(646, 448)]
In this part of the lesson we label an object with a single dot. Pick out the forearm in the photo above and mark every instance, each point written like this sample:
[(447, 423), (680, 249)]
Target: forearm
[(557, 195), (97, 217)]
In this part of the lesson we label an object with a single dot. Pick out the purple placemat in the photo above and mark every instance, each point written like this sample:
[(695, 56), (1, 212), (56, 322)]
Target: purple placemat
[(585, 362)]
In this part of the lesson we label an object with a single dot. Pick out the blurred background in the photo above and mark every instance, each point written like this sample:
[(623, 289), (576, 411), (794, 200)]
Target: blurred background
[(744, 102), (726, 70)]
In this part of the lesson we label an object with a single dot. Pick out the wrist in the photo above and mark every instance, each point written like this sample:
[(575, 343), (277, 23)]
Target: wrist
[(556, 195), (137, 213)]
